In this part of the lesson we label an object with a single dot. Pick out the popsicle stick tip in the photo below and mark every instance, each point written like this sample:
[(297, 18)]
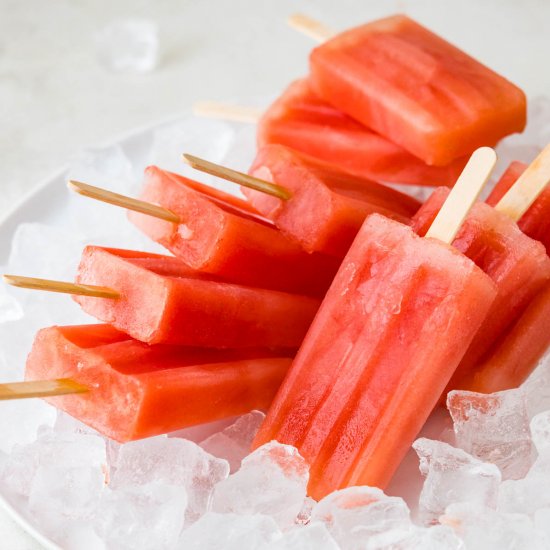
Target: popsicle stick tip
[(240, 178), (48, 285), (527, 188), (310, 27), (224, 111), (463, 195), (109, 197), (40, 388)]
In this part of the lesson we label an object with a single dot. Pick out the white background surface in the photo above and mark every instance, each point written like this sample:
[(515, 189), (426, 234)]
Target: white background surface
[(56, 99)]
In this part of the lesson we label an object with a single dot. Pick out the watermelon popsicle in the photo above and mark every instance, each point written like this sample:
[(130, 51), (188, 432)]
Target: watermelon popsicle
[(416, 89), (518, 265), (218, 233), (137, 390), (398, 318), (158, 299), (301, 120), (325, 207), (519, 350)]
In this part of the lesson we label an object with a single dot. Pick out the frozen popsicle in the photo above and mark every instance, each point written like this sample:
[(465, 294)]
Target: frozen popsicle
[(518, 351), (137, 390), (415, 89), (325, 206), (220, 234), (398, 318), (518, 265), (158, 299), (301, 120)]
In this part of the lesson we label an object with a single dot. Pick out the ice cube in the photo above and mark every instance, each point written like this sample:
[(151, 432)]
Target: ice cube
[(59, 494), (206, 138), (21, 420), (494, 428), (144, 516), (452, 475), (107, 167), (304, 515), (540, 431), (128, 45), (80, 535), (486, 529), (272, 481), (356, 514), (67, 424), (18, 469), (529, 494), (537, 388), (230, 532), (234, 442), (172, 461), (200, 432), (314, 536)]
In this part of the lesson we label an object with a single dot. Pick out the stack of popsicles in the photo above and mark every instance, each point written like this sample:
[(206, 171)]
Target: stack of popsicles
[(403, 303), (392, 101)]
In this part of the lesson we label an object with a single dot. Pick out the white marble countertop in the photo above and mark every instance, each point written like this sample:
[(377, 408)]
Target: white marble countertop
[(55, 98)]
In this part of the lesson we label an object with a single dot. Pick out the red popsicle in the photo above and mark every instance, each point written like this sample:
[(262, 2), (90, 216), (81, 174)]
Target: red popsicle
[(520, 349), (222, 235), (327, 206), (139, 391), (416, 89), (301, 120), (396, 321), (517, 264), (161, 300)]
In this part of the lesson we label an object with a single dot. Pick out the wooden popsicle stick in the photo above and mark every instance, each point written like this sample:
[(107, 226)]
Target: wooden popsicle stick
[(310, 27), (527, 188), (463, 195), (237, 177), (225, 111), (60, 286), (40, 388), (129, 203)]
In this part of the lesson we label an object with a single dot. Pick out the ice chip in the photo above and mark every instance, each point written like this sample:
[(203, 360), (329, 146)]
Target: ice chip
[(230, 532), (452, 475), (21, 420), (60, 493), (304, 515), (540, 431), (128, 45), (234, 442), (486, 529), (271, 481), (200, 432), (10, 308), (537, 388), (207, 138), (531, 493), (172, 461), (71, 451), (314, 536), (494, 428), (356, 514), (144, 516)]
